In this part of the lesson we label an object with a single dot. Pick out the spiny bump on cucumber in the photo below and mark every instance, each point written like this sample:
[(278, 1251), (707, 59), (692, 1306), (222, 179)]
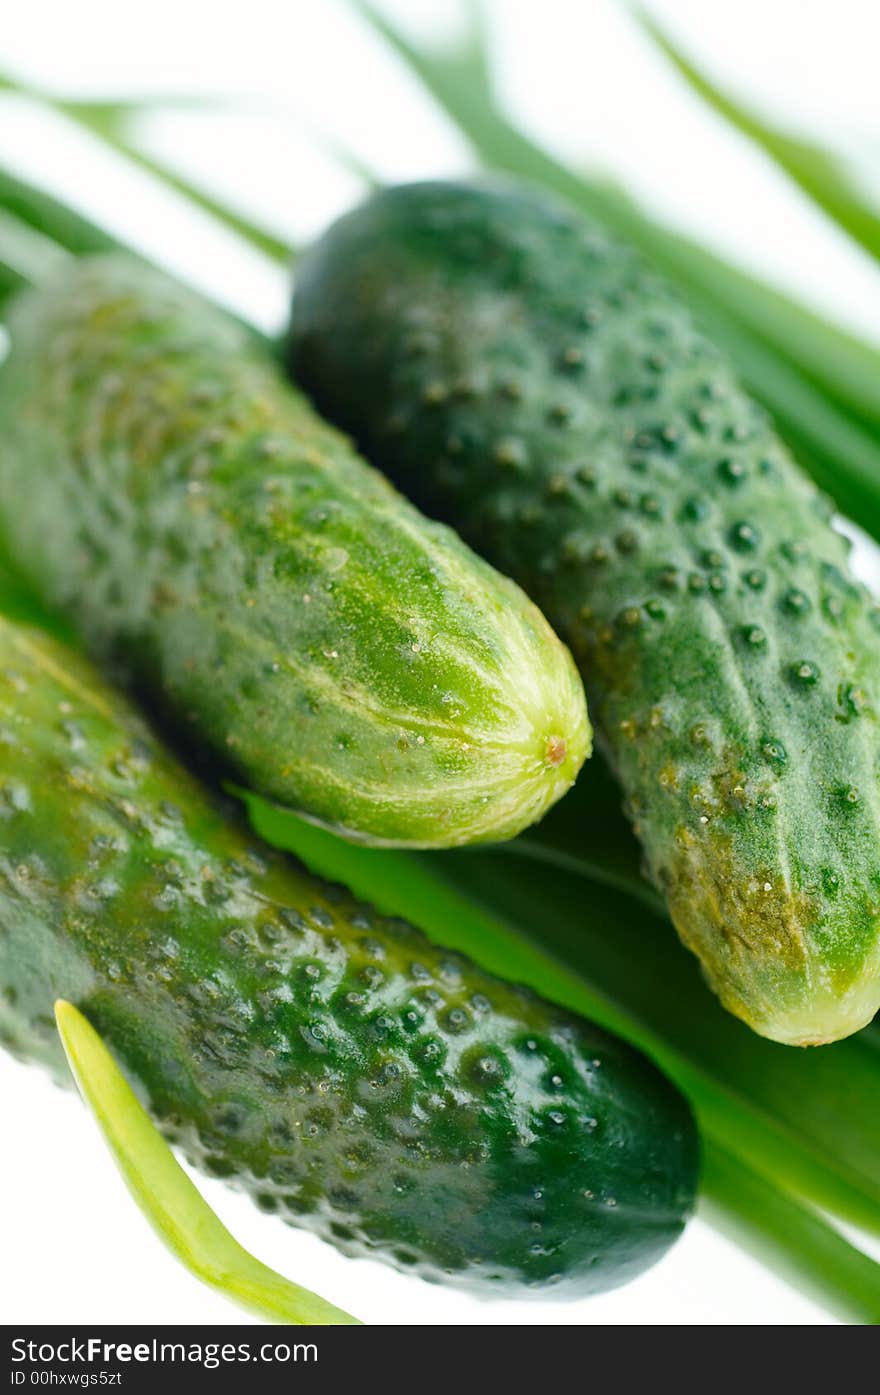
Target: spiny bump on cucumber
[(581, 432), (164, 488), (347, 1073)]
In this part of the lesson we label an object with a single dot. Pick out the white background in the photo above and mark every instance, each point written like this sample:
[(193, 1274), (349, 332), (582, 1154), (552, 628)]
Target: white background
[(306, 75)]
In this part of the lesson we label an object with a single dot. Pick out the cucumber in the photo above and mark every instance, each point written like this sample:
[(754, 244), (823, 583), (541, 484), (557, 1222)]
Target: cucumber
[(342, 1069), (523, 375), (231, 556)]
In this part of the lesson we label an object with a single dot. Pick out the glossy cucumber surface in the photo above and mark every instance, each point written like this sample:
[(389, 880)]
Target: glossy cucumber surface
[(164, 488), (523, 375), (345, 1071)]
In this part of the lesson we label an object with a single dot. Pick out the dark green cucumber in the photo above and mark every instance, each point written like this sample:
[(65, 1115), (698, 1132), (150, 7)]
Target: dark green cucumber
[(524, 375), (162, 486), (333, 1062)]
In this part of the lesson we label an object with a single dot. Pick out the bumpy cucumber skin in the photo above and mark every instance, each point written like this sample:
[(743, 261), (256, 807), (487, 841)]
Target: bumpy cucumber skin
[(163, 486), (525, 377), (348, 1073)]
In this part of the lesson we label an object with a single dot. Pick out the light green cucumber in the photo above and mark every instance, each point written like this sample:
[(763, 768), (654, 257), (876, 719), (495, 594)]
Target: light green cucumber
[(287, 610)]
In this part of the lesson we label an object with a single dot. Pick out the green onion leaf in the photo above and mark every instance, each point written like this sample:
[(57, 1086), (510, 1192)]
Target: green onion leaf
[(819, 172), (113, 123)]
